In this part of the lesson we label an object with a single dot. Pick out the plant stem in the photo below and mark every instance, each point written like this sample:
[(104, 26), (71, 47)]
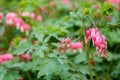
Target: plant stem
[(97, 78), (88, 59), (28, 74), (87, 49), (91, 21), (111, 63)]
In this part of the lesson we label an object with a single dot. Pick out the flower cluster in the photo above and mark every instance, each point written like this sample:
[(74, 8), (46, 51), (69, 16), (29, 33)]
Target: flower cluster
[(33, 16), (77, 46), (66, 45), (13, 19), (5, 57), (98, 40), (114, 1), (25, 57)]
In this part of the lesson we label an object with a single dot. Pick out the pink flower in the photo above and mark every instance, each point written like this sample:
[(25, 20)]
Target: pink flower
[(25, 28), (35, 42), (25, 14), (18, 22), (8, 57), (115, 1), (25, 57), (39, 18), (5, 57), (74, 46), (32, 16), (23, 40), (28, 57), (88, 33), (10, 18), (64, 45), (52, 3), (110, 18), (1, 16), (67, 40), (98, 40), (1, 61), (66, 1), (97, 6), (22, 56), (104, 40), (77, 46)]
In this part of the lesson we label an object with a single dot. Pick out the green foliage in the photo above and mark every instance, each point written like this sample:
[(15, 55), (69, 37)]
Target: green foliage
[(59, 20)]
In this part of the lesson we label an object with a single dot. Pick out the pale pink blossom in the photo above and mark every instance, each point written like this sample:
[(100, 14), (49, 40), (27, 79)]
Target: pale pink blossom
[(66, 45), (18, 22), (25, 28), (52, 3), (77, 46), (39, 18), (67, 40), (23, 40), (32, 16), (110, 18), (35, 42), (10, 18), (97, 6), (25, 14)]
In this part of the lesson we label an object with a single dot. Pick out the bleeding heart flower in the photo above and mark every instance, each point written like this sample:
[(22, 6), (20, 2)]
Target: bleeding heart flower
[(39, 18), (18, 22), (5, 57), (10, 18), (98, 40), (22, 56), (28, 57)]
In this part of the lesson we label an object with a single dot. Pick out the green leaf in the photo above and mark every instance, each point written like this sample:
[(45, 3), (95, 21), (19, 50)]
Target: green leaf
[(47, 68), (84, 69), (39, 53), (39, 37), (26, 46), (61, 61), (74, 77), (3, 71), (18, 65), (12, 75), (81, 57), (2, 30)]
